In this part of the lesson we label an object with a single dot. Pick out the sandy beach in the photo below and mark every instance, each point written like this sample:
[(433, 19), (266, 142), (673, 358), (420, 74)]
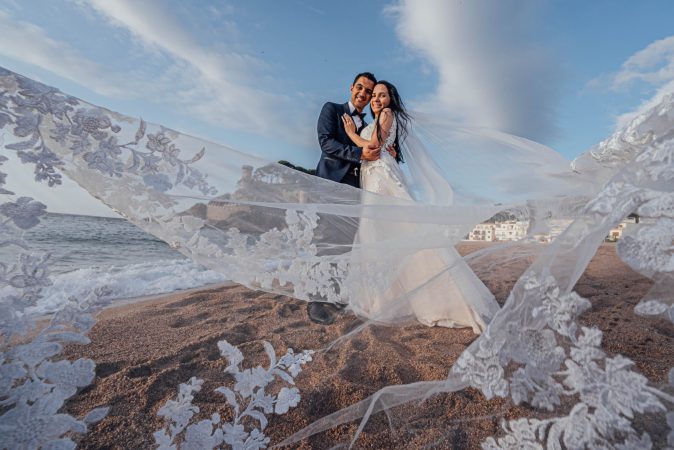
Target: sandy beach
[(144, 350)]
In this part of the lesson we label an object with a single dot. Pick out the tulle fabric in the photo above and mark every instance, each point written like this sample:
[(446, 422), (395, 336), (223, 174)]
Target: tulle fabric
[(434, 286), (535, 335), (275, 229)]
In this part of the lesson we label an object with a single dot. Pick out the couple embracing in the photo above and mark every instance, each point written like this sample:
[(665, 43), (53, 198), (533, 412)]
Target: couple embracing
[(436, 285)]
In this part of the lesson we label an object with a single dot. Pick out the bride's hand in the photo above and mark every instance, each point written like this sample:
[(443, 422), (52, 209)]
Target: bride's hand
[(349, 126)]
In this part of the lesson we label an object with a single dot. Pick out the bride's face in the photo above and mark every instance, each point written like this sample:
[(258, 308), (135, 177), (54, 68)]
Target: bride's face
[(380, 98)]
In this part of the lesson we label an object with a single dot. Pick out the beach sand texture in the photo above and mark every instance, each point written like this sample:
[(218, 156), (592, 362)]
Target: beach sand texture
[(143, 351)]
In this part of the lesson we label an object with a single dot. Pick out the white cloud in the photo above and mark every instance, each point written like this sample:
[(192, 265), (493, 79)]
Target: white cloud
[(214, 85), (491, 71), (654, 66), (220, 87), (29, 43)]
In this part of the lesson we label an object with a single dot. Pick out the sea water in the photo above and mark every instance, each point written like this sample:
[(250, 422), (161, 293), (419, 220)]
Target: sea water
[(89, 252)]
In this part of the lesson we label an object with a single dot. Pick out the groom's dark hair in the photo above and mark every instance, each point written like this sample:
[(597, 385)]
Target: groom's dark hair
[(367, 75)]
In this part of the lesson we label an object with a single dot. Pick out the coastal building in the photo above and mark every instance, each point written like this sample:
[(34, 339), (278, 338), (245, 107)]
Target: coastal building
[(554, 227), (617, 232), (482, 232), (513, 230), (222, 209), (510, 230)]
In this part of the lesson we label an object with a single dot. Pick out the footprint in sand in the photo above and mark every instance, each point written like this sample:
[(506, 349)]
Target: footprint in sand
[(140, 371), (407, 373), (359, 344), (298, 324), (104, 369), (240, 334), (255, 308), (163, 385), (388, 336), (187, 321), (288, 310), (191, 300)]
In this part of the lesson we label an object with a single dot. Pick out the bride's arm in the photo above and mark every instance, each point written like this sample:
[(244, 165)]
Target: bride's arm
[(385, 122), (350, 129)]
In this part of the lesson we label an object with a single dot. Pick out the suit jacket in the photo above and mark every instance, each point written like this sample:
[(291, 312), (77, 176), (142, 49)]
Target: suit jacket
[(338, 154)]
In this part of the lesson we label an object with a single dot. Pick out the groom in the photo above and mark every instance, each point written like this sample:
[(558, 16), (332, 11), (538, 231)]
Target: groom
[(340, 158)]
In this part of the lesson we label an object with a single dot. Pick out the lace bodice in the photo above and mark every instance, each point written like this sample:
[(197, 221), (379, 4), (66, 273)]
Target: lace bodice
[(366, 133), (383, 176)]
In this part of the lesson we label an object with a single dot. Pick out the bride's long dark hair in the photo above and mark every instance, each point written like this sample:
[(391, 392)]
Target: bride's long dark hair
[(400, 113)]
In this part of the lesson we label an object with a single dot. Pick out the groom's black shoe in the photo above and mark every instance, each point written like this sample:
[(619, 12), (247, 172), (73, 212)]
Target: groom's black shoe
[(322, 312)]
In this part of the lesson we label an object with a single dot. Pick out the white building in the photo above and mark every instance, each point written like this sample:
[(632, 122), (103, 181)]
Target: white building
[(510, 230), (482, 232), (514, 230), (617, 232), (553, 228)]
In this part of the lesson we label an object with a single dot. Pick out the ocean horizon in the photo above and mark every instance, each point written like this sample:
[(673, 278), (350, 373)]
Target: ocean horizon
[(87, 252)]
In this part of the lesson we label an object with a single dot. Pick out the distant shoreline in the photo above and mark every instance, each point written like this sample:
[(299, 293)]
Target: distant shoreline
[(118, 217), (165, 296)]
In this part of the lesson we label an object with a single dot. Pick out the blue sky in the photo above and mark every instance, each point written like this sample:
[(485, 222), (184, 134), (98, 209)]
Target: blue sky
[(253, 75)]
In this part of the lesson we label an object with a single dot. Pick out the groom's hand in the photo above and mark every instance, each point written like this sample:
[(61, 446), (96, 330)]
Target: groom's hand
[(370, 153)]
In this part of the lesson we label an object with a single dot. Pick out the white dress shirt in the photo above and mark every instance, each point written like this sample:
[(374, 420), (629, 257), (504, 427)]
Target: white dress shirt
[(356, 118)]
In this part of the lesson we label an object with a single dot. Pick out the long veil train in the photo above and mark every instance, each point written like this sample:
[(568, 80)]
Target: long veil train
[(275, 229)]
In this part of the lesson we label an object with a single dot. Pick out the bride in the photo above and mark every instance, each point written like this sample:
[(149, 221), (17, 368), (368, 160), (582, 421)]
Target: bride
[(435, 285)]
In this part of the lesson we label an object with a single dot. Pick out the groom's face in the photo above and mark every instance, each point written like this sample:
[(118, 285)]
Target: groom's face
[(361, 92)]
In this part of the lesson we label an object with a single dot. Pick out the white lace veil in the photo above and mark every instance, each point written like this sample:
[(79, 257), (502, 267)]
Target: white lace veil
[(275, 229)]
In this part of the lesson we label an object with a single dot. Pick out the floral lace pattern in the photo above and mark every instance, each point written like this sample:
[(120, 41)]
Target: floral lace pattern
[(54, 131), (33, 387), (533, 351), (48, 126), (625, 145), (250, 401), (246, 259), (610, 394)]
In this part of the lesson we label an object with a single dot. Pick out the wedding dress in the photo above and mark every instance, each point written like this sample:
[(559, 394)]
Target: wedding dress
[(438, 287)]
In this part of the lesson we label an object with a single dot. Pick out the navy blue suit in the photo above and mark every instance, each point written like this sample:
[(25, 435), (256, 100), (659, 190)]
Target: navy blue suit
[(340, 158)]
